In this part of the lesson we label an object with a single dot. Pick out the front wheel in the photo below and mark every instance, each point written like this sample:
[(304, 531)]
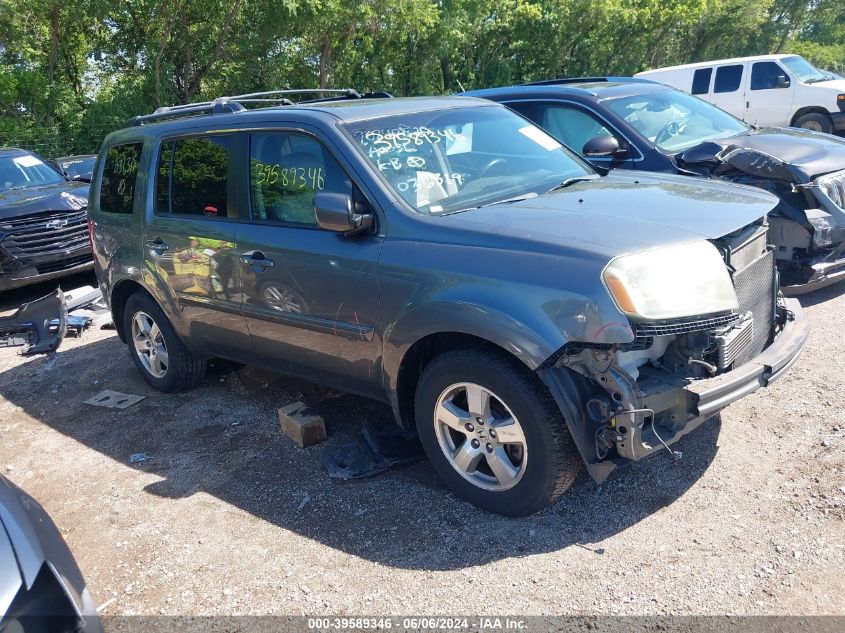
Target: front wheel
[(493, 433), (815, 122), (158, 353)]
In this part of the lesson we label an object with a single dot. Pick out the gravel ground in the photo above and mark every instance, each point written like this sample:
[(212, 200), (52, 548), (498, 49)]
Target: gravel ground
[(230, 517)]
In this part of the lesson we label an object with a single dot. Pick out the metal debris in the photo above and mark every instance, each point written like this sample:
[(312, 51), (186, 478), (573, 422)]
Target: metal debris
[(114, 399)]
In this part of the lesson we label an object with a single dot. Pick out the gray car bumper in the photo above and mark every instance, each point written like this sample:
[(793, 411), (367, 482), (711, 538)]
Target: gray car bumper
[(711, 395), (693, 401), (824, 274)]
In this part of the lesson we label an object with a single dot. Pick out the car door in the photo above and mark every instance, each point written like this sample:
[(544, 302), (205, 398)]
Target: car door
[(189, 240), (728, 90), (573, 125), (770, 93), (311, 297)]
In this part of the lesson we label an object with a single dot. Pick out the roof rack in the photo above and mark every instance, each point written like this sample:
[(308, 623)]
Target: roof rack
[(234, 104), (578, 80)]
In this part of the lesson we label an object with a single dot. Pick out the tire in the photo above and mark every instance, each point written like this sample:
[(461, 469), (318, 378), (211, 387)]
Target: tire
[(816, 122), (539, 470), (182, 369)]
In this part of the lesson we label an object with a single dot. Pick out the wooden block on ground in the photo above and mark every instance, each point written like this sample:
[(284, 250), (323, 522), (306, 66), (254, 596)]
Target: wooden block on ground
[(303, 427)]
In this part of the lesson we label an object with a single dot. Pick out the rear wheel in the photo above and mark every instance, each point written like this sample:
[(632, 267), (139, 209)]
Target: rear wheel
[(493, 433), (158, 353), (815, 121)]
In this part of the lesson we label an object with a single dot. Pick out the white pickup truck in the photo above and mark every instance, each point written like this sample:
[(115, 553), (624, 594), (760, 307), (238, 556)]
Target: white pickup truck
[(766, 90)]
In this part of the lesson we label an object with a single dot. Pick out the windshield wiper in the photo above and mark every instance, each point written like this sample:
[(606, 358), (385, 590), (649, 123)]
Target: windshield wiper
[(524, 196), (571, 181)]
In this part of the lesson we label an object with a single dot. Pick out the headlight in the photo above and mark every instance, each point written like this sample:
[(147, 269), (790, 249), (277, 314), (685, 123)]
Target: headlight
[(685, 280), (833, 187)]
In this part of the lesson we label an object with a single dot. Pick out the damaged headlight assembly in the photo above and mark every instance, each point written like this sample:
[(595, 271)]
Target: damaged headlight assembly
[(832, 186), (684, 280)]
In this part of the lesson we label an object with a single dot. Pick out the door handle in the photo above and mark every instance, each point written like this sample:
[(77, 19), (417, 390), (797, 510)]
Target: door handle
[(256, 259), (157, 245)]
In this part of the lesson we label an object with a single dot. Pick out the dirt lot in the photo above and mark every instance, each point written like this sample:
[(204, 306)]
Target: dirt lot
[(235, 519)]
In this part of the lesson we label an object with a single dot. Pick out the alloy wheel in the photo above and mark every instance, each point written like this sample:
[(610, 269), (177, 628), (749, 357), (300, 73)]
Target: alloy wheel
[(149, 344), (480, 436)]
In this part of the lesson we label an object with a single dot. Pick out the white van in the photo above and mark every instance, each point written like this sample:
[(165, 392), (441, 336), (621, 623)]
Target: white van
[(767, 90)]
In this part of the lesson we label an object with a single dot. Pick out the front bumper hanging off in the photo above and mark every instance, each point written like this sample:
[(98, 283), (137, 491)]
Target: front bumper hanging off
[(675, 407)]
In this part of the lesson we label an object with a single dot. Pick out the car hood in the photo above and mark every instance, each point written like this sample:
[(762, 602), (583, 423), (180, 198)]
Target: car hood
[(625, 211), (62, 196), (798, 155)]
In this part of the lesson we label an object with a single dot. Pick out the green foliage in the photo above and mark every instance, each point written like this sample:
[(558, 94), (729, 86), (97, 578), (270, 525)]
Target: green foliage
[(72, 70)]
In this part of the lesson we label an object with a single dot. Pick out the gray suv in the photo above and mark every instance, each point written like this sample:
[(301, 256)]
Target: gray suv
[(448, 257)]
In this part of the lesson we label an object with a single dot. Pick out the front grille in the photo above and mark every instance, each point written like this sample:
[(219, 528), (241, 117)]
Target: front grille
[(642, 330), (44, 238), (62, 264)]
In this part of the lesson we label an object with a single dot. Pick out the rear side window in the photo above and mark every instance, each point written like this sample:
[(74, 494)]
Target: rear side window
[(193, 176), (728, 78), (764, 75), (120, 172), (285, 171), (701, 81)]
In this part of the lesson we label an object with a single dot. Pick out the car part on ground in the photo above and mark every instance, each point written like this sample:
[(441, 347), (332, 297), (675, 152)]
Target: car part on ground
[(40, 325), (374, 450), (41, 587), (43, 224), (647, 126), (34, 325), (452, 259)]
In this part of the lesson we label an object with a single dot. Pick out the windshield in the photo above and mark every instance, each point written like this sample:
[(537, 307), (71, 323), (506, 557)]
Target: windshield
[(25, 170), (674, 120), (451, 160), (804, 70), (77, 166)]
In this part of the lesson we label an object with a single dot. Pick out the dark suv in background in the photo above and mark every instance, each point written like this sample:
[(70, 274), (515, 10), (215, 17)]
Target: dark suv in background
[(448, 257), (43, 221), (631, 123)]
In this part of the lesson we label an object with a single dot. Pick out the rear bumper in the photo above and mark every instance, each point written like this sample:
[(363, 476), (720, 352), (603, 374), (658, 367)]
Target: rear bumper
[(29, 275)]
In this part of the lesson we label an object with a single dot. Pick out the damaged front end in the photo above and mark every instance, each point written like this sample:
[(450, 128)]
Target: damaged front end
[(636, 398), (807, 226)]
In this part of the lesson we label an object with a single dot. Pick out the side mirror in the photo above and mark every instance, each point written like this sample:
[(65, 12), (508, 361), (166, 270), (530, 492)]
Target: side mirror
[(601, 147), (781, 82), (336, 212)]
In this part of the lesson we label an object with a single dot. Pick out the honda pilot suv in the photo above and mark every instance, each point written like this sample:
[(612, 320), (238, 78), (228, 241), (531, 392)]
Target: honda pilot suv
[(448, 257)]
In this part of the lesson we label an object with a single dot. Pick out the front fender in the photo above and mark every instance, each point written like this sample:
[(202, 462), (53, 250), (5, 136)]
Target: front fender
[(530, 320)]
